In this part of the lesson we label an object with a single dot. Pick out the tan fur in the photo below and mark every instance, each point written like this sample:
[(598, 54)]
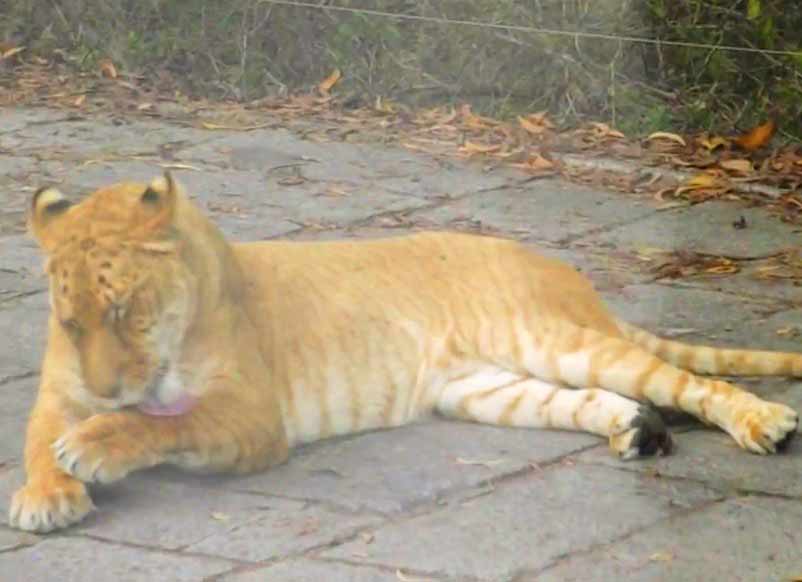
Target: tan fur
[(287, 342)]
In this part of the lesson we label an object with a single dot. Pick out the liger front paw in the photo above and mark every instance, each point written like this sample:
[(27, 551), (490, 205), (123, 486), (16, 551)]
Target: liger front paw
[(48, 504), (764, 427), (100, 450)]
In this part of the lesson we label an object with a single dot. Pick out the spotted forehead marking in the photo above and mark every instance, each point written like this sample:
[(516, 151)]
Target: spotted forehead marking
[(88, 270)]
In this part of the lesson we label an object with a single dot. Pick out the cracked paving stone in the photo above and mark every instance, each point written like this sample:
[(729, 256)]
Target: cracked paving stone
[(76, 559), (745, 539), (527, 523), (293, 527), (172, 509), (98, 138), (712, 457), (12, 539), (280, 153), (309, 570), (660, 307), (23, 325), (386, 471), (15, 118), (691, 229), (16, 401), (547, 210), (22, 269)]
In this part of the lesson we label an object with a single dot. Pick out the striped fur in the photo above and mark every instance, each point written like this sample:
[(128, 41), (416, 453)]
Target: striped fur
[(277, 343)]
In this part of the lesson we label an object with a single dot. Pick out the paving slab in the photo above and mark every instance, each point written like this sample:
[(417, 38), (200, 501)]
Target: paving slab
[(311, 570), (713, 458), (293, 528), (12, 539), (22, 267), (283, 154), (666, 309), (401, 469), (211, 521), (16, 400), (706, 228), (23, 325), (545, 210), (528, 523), (83, 139), (745, 540), (746, 283), (13, 119), (77, 559)]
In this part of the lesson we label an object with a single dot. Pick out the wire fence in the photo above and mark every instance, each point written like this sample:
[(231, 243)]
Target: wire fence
[(534, 30)]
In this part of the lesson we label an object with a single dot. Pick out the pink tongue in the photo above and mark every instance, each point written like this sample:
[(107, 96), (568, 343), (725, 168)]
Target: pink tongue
[(153, 407)]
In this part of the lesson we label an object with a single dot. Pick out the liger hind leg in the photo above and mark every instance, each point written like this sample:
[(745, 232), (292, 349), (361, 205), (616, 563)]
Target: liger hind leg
[(507, 399), (585, 357)]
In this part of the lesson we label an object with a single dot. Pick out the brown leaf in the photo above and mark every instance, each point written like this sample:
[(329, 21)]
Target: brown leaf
[(326, 84), (604, 130), (757, 137), (535, 163), (668, 136), (536, 123), (739, 166), (488, 463), (472, 148), (698, 182), (405, 578), (473, 121), (712, 143), (789, 331), (292, 181), (10, 52), (107, 69), (79, 100)]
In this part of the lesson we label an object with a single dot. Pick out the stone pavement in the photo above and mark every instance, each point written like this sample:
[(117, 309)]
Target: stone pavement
[(439, 500)]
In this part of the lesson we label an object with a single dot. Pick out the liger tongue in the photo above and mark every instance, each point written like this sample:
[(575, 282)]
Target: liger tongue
[(154, 407)]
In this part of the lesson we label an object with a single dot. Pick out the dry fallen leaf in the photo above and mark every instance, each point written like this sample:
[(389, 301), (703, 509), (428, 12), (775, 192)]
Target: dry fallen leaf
[(107, 69), (404, 578), (472, 148), (535, 163), (536, 123), (220, 516), (8, 53), (292, 181), (704, 186), (697, 182), (472, 462), (737, 165), (326, 84), (661, 557), (217, 126), (668, 136), (757, 137), (80, 100), (604, 130), (712, 143), (789, 331)]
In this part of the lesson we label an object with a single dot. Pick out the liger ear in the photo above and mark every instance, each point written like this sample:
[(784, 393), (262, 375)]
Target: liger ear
[(47, 207), (157, 206)]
